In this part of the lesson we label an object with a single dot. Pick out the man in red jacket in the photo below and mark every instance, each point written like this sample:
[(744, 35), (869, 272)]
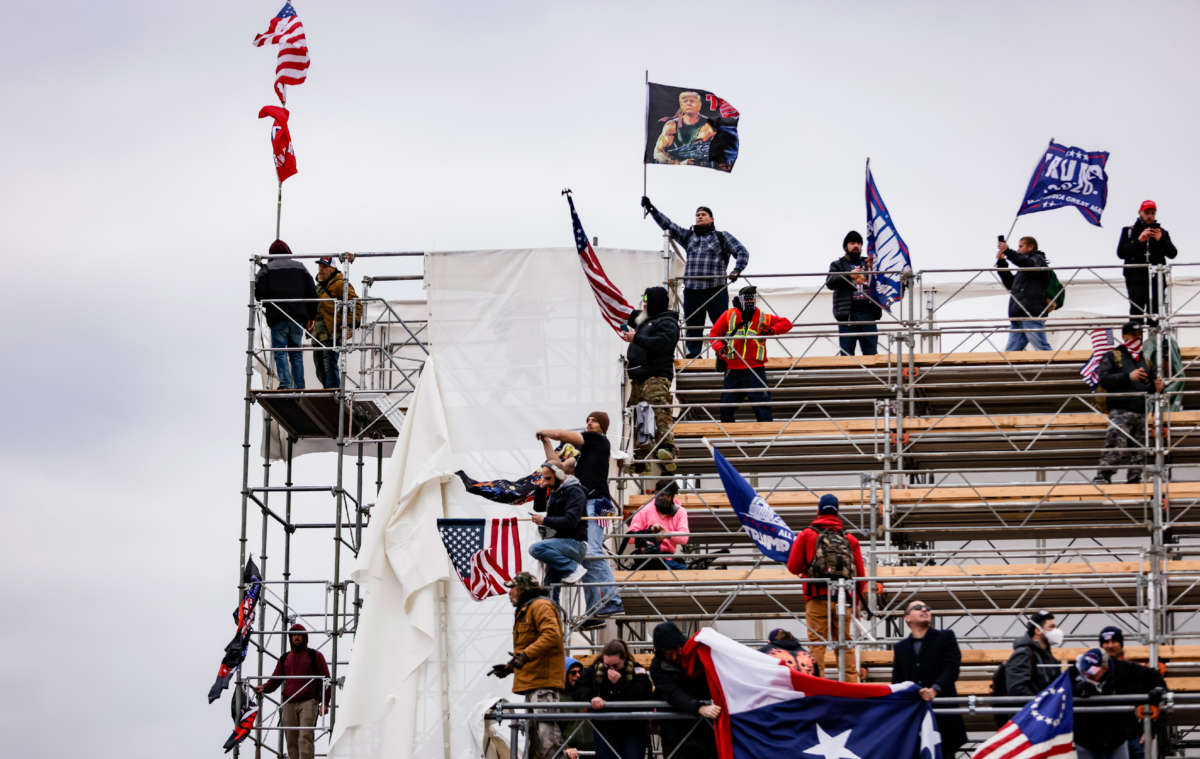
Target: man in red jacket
[(740, 342), (302, 698), (823, 550)]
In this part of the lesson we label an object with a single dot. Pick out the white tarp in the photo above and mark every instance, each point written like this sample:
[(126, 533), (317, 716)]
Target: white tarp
[(518, 345)]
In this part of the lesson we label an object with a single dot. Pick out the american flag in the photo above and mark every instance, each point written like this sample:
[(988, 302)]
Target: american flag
[(483, 570), (291, 66), (613, 306), (1102, 341), (1044, 728)]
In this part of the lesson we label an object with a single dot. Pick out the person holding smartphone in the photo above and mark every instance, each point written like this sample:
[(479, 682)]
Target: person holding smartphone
[(1027, 302), (1143, 243)]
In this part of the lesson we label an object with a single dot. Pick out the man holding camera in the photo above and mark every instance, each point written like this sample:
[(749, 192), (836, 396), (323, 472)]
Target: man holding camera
[(1143, 243)]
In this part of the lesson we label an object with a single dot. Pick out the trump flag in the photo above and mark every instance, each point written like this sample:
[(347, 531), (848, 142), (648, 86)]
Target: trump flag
[(886, 251), (766, 528), (1068, 176), (771, 710)]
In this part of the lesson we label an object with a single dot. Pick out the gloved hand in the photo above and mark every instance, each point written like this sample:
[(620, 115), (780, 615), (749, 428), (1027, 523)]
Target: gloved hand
[(646, 204), (518, 661), (501, 670), (733, 275), (1156, 695)]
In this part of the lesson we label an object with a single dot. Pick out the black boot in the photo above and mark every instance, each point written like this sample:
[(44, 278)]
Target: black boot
[(1134, 477), (1103, 477)]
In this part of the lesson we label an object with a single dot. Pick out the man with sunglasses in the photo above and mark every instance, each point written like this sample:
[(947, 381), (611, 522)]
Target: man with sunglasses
[(930, 658)]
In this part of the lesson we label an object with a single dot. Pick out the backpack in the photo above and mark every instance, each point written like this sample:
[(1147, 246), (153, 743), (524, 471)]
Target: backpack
[(1056, 292), (1000, 681), (832, 558)]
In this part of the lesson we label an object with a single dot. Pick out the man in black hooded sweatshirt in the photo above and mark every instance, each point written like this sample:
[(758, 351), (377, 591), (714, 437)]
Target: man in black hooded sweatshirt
[(852, 300), (682, 739), (652, 333), (1144, 242)]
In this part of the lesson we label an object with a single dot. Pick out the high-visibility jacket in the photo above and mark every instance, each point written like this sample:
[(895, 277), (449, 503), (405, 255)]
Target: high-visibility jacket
[(742, 340)]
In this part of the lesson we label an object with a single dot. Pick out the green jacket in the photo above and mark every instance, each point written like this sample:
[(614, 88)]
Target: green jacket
[(1174, 390)]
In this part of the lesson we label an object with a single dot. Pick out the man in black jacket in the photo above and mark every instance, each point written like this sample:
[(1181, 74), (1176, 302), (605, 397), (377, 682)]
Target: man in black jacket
[(652, 333), (1027, 302), (852, 300), (1124, 370), (1144, 242), (1032, 666), (559, 505), (1134, 679), (287, 279), (682, 739), (1101, 735), (931, 659)]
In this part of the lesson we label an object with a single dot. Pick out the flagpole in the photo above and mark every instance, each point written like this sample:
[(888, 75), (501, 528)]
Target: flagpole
[(645, 122), (278, 209), (1014, 224)]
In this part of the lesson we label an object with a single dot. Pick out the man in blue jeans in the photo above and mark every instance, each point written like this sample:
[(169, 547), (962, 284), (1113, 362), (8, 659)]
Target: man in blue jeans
[(591, 467), (286, 279), (1027, 302), (559, 505)]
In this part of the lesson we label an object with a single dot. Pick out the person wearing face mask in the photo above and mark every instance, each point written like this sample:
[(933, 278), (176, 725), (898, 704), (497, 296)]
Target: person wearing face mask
[(1124, 370), (852, 300), (739, 342), (704, 273), (663, 514), (1032, 666), (652, 333)]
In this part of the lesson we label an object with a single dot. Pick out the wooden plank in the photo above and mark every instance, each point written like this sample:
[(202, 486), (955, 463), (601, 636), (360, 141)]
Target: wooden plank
[(981, 358), (992, 423), (731, 574), (1072, 493)]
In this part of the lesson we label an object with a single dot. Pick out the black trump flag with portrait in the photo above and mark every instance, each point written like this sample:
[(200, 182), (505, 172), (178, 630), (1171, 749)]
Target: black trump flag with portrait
[(690, 127)]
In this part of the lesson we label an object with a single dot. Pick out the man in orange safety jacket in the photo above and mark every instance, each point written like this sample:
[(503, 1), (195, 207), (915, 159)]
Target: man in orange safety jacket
[(740, 344)]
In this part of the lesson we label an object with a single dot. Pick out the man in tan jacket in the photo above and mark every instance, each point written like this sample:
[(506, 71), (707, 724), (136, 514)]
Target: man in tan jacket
[(538, 657)]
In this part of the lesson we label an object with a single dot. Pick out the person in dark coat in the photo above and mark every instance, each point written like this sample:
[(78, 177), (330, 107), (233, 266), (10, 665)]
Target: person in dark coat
[(1032, 665), (1027, 302), (615, 677), (1102, 735), (1144, 242), (684, 692), (852, 300), (559, 506), (652, 333), (1135, 679), (1124, 370), (287, 279), (930, 658)]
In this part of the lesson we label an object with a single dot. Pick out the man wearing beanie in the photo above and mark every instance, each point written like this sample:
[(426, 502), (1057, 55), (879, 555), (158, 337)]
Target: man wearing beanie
[(1132, 678), (559, 504), (739, 342), (1144, 243), (652, 333), (704, 273), (287, 279), (1027, 301), (823, 551), (852, 300), (684, 691), (591, 469)]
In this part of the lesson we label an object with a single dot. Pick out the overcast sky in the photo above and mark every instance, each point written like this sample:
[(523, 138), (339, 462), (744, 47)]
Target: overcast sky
[(137, 181)]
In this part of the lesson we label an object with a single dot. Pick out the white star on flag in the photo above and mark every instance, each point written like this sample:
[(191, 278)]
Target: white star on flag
[(831, 747)]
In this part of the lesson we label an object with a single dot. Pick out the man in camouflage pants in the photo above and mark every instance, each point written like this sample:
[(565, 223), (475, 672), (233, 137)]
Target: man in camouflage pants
[(1127, 380), (652, 333)]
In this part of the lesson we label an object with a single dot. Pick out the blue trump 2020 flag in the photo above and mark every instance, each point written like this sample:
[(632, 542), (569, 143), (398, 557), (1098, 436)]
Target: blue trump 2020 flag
[(760, 521), (886, 251), (1068, 176), (770, 710)]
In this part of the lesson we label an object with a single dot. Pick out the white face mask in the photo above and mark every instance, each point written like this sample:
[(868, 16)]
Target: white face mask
[(1054, 637)]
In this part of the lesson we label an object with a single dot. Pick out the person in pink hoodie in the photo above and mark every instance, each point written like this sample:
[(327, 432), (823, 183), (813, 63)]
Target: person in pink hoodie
[(664, 514)]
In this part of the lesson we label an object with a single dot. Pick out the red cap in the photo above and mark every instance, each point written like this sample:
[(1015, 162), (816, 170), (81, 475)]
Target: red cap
[(1147, 204)]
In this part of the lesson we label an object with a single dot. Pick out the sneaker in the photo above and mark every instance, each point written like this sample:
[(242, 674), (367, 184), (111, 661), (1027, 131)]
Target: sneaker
[(591, 623), (575, 576), (1133, 478), (1102, 478), (611, 610)]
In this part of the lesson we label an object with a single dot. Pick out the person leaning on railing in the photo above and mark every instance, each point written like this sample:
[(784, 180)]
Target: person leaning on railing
[(302, 699), (1133, 678), (615, 677), (685, 692), (331, 288), (704, 272), (652, 333)]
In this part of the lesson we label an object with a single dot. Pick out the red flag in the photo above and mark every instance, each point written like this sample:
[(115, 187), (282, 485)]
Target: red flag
[(281, 141)]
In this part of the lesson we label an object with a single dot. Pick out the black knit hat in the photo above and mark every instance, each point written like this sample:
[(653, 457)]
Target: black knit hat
[(668, 636), (1112, 632), (851, 236)]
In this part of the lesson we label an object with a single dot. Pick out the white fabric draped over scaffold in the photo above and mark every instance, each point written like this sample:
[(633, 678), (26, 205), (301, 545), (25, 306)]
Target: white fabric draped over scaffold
[(518, 345)]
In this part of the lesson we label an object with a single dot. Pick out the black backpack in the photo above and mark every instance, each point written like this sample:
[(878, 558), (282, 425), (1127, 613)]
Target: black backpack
[(832, 558)]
